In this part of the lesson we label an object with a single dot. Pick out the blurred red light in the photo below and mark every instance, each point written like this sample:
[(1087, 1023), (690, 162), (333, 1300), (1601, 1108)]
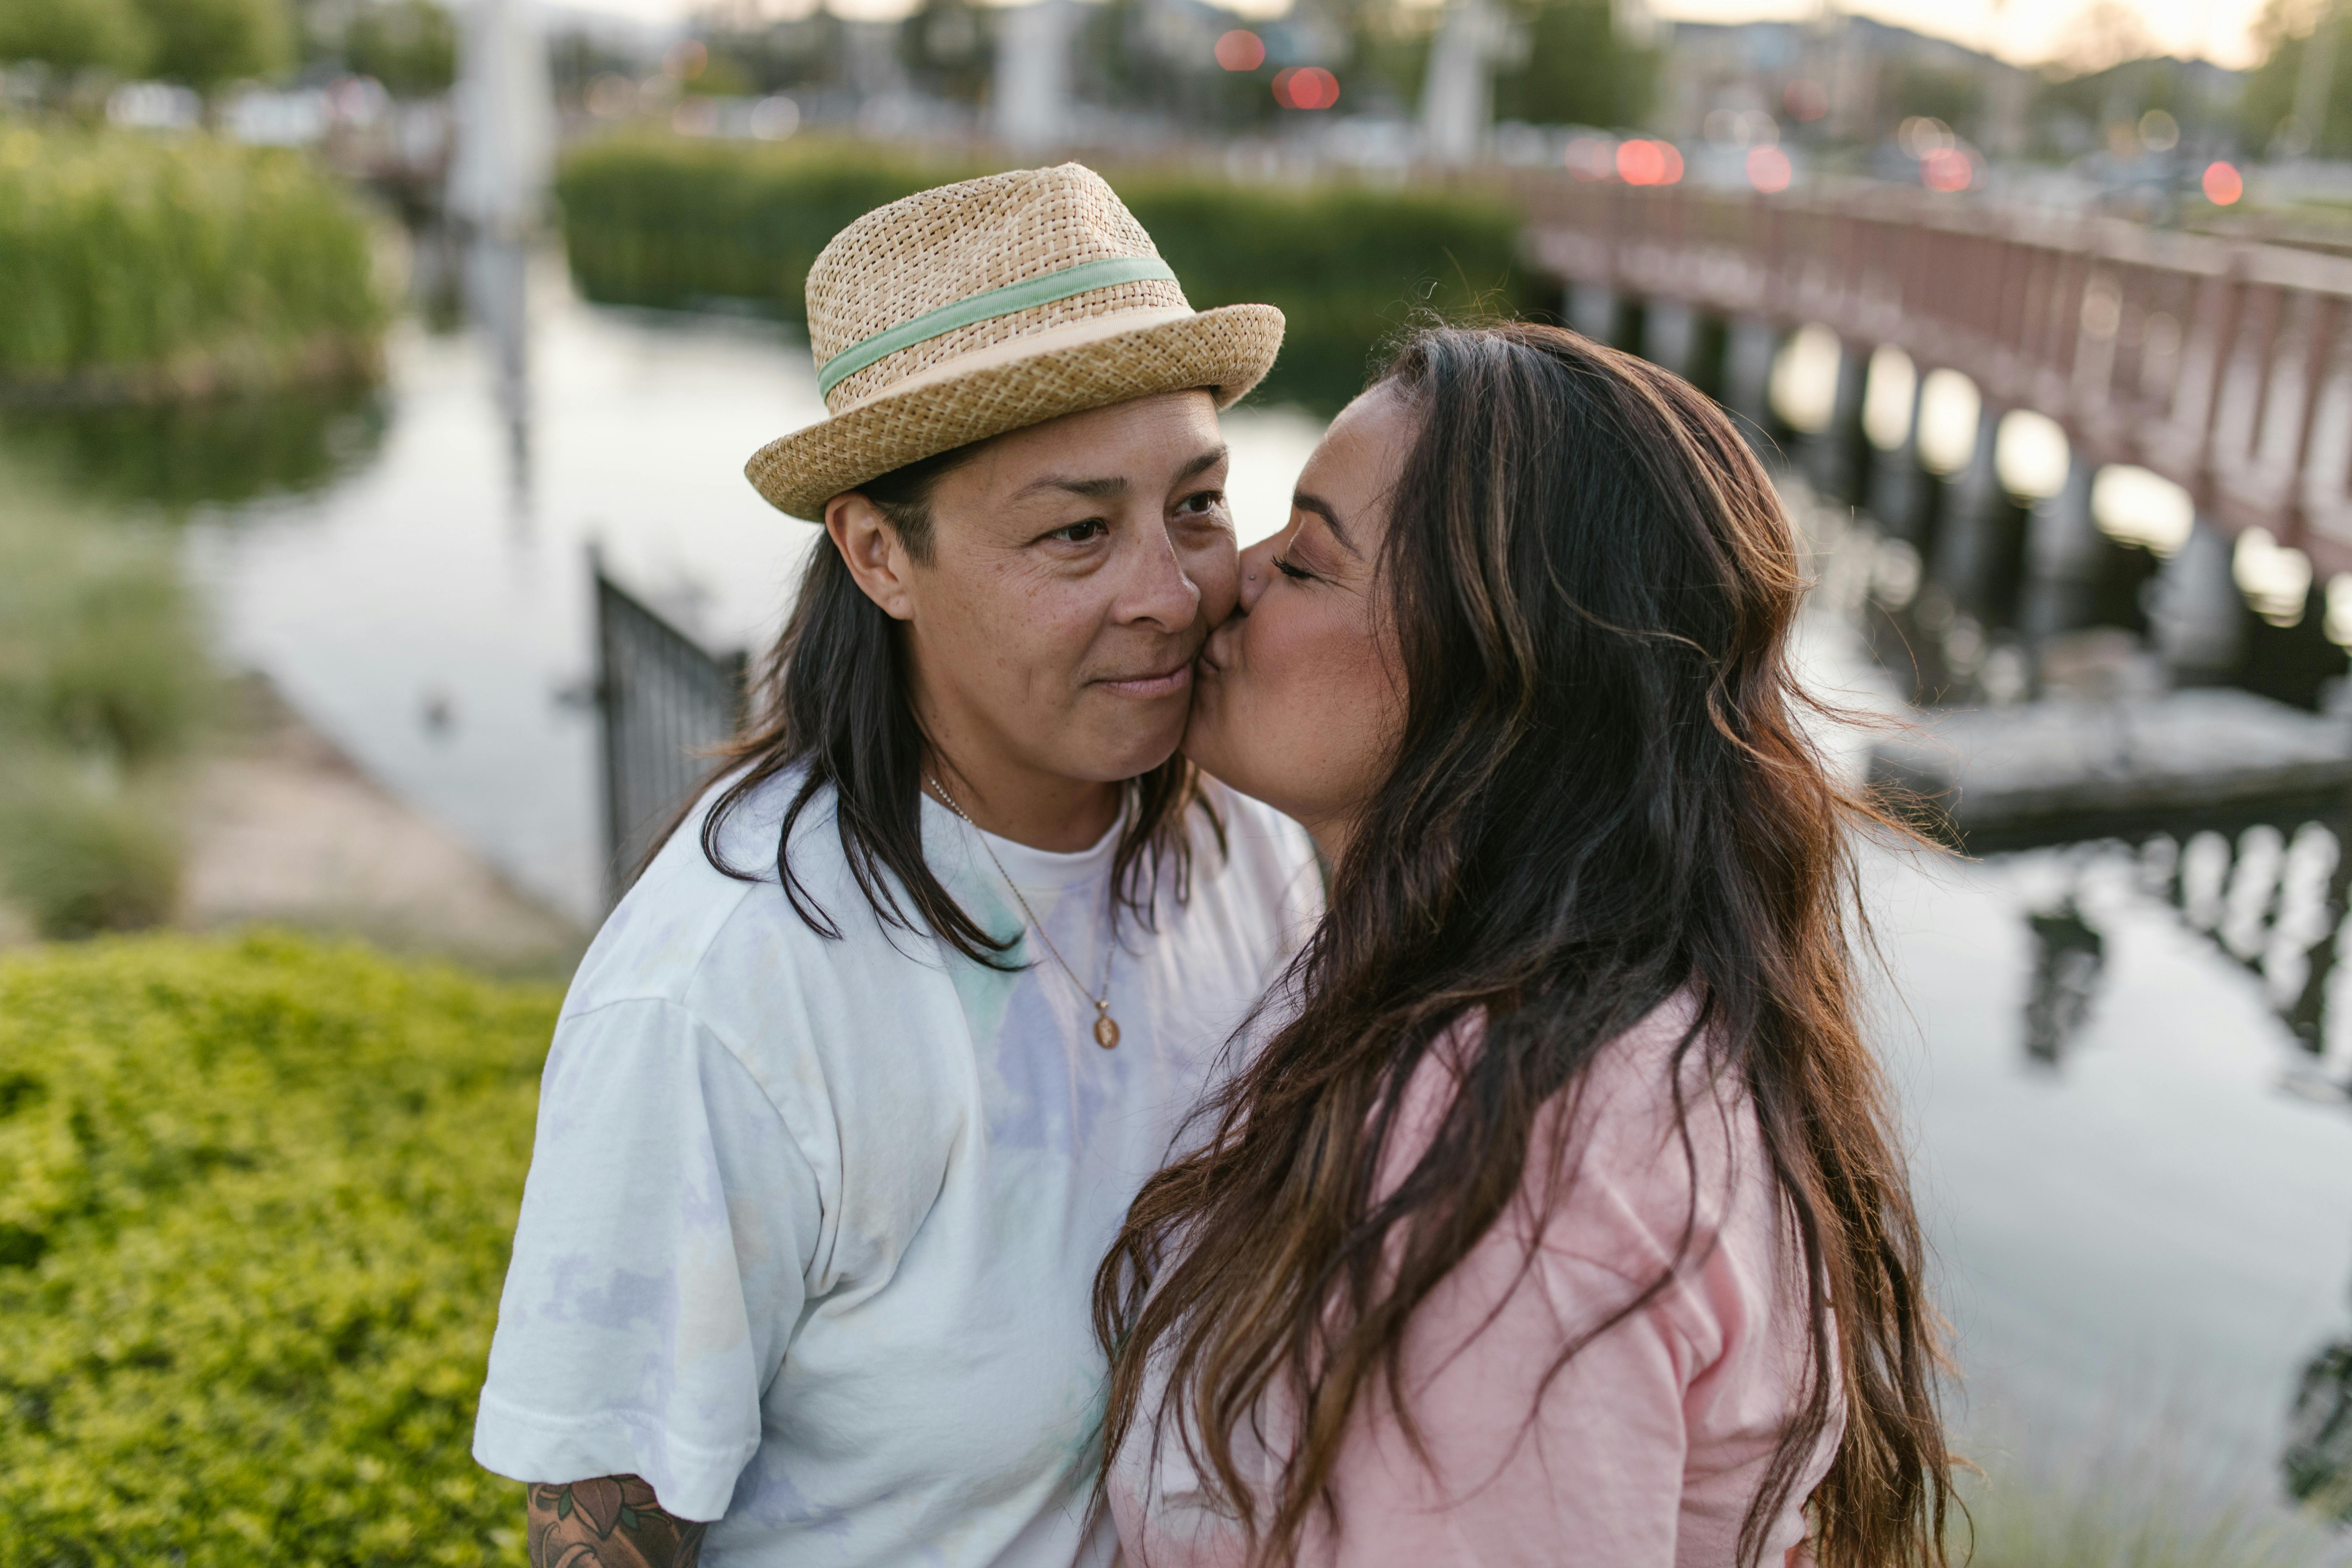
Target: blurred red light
[(1947, 169), (1805, 100), (1306, 86), (2223, 183), (1241, 50), (1672, 159), (1641, 163), (1767, 169)]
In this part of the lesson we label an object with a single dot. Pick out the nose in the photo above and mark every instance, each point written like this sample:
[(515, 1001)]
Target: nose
[(1158, 591), (1258, 570)]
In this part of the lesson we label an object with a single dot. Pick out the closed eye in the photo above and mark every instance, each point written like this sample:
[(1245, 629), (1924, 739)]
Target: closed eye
[(1295, 573)]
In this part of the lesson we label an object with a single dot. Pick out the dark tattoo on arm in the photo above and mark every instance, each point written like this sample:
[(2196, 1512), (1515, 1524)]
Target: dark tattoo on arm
[(612, 1522)]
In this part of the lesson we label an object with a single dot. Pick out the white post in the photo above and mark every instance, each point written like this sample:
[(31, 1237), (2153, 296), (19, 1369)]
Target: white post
[(1457, 96), (1031, 93), (506, 119)]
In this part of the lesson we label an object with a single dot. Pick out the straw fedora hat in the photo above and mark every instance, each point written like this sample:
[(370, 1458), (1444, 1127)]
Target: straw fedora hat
[(975, 309)]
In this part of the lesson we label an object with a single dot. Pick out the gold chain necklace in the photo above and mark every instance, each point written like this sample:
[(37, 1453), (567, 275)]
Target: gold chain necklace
[(1105, 1027)]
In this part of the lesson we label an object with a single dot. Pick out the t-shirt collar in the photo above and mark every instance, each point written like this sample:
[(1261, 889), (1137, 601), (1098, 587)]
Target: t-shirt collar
[(1027, 867)]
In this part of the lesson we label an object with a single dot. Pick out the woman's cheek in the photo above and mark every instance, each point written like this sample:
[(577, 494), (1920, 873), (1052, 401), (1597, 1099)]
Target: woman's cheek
[(1216, 571)]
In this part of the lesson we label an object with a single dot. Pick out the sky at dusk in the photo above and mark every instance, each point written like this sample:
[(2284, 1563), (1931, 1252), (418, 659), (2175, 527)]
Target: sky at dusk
[(2026, 31)]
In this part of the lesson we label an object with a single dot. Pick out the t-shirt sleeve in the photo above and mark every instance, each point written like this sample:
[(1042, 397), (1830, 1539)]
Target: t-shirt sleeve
[(659, 1263)]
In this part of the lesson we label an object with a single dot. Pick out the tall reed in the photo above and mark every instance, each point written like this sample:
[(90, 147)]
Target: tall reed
[(143, 266)]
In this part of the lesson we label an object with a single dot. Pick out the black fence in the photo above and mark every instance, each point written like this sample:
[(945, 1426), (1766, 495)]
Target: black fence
[(665, 703)]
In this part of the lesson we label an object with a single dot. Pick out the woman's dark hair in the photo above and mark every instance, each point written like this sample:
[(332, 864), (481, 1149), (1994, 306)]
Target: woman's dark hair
[(1601, 796), (832, 697)]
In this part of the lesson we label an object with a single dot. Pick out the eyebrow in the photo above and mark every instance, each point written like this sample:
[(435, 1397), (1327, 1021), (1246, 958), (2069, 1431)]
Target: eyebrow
[(1105, 488), (1322, 508)]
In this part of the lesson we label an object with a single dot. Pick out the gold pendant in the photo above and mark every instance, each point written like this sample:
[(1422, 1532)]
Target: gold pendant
[(1106, 1032)]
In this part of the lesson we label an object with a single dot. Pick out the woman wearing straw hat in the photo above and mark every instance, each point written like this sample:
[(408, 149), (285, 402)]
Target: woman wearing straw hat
[(855, 1086)]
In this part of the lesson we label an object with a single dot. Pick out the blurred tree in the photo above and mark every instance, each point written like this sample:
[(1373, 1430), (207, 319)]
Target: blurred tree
[(1579, 70), (76, 35), (946, 46), (1388, 53), (799, 51), (410, 45), (1913, 87), (208, 44), (2286, 31)]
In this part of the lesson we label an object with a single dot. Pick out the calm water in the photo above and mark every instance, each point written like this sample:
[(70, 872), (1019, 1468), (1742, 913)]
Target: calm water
[(2143, 1208)]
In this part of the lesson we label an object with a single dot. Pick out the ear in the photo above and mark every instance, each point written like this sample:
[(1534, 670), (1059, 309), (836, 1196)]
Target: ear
[(869, 547)]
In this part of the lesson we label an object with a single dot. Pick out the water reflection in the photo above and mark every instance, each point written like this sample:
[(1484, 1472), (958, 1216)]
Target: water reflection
[(2270, 897), (2317, 1464), (218, 452), (2068, 955), (498, 297)]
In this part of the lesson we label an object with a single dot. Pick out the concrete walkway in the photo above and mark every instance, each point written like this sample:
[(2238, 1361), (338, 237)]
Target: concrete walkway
[(285, 830)]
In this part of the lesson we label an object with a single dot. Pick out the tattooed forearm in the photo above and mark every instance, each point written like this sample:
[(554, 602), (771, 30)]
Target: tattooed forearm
[(612, 1522)]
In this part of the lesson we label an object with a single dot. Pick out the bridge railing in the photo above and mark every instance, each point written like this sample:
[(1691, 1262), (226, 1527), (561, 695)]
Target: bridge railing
[(2218, 364)]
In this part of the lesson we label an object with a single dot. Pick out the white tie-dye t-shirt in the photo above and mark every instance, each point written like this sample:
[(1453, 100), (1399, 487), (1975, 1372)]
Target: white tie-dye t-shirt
[(811, 1223)]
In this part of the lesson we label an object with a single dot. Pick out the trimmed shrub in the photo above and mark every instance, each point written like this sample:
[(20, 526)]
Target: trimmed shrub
[(132, 264), (256, 1198), (666, 222)]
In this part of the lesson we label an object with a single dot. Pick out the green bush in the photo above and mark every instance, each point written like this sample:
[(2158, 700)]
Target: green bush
[(254, 1204), (133, 263), (76, 35), (664, 222), (81, 860), (205, 43), (105, 684)]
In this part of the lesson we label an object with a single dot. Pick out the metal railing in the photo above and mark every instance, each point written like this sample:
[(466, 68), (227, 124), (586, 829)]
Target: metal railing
[(665, 703), (2220, 363)]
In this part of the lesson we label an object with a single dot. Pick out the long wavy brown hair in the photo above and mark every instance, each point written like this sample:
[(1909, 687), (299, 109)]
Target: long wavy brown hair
[(1602, 795)]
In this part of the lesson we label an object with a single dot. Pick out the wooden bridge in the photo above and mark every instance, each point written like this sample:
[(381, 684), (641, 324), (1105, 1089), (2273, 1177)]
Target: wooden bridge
[(2222, 366)]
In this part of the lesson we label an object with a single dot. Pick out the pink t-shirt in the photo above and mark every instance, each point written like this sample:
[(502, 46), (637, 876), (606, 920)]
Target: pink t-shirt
[(1650, 1444)]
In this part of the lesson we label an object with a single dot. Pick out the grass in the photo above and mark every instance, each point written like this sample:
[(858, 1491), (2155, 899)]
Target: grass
[(142, 267), (2145, 1503)]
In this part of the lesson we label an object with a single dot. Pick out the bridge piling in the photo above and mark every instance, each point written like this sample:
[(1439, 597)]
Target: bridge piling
[(2064, 553), (1670, 336), (1896, 480), (1967, 541), (1750, 344), (1592, 311), (2196, 615)]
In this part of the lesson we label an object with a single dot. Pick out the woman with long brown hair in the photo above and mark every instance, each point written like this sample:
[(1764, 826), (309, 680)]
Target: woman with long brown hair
[(1559, 1216)]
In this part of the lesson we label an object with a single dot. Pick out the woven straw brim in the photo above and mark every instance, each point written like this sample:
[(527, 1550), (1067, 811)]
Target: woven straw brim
[(1228, 350)]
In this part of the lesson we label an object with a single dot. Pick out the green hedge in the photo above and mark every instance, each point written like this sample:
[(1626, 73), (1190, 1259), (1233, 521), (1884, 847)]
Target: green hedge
[(254, 1202), (669, 223), (145, 265)]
